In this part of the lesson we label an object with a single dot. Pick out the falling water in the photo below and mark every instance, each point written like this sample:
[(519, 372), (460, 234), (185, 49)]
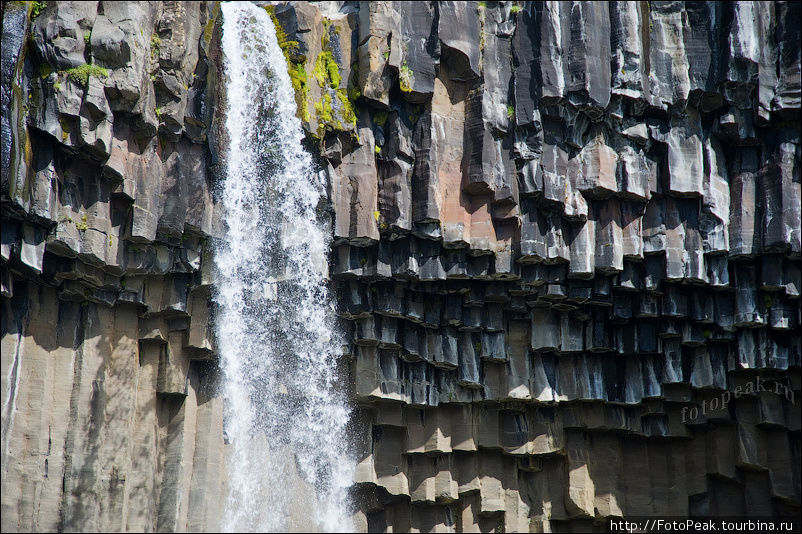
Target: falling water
[(287, 468)]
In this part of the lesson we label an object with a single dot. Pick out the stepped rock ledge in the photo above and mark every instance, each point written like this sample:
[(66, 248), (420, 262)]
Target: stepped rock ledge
[(565, 253)]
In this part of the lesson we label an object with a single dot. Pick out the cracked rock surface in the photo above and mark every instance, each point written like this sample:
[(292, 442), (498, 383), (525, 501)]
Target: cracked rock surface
[(568, 230), (565, 234)]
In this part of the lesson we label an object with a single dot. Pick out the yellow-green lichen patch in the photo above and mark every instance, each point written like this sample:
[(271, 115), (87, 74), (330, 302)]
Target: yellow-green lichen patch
[(335, 111), (405, 78), (353, 83), (414, 112), (82, 226), (300, 82), (327, 72), (335, 118), (324, 111), (325, 38), (346, 107)]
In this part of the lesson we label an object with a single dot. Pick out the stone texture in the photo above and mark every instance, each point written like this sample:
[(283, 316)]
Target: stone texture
[(111, 419), (563, 234), (577, 247)]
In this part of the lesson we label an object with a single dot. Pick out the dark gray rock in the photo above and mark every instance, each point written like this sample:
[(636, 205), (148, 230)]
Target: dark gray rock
[(459, 31)]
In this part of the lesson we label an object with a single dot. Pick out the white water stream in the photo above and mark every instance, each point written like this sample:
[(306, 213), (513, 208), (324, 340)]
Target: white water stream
[(285, 417)]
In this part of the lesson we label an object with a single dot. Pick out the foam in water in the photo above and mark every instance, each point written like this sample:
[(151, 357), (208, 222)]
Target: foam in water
[(287, 468)]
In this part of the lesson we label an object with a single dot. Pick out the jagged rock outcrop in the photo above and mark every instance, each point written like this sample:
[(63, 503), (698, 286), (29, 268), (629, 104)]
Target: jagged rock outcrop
[(566, 253), (564, 232), (111, 416)]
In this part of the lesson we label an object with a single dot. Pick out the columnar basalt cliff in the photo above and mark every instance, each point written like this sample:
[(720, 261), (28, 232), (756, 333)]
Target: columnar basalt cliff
[(111, 420), (565, 233), (566, 254)]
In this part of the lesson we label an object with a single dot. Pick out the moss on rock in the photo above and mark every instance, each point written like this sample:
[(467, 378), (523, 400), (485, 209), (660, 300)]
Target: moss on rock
[(295, 65), (81, 74)]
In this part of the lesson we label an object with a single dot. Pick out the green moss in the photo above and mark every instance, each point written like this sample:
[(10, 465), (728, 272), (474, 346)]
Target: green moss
[(405, 78), (327, 72), (87, 38), (158, 111), (65, 129), (324, 110), (155, 46), (208, 30), (300, 82), (515, 9), (325, 38), (329, 118), (380, 118), (57, 86), (298, 76), (281, 36), (37, 8), (81, 74), (295, 65), (331, 115), (510, 111), (377, 149), (347, 108), (45, 69)]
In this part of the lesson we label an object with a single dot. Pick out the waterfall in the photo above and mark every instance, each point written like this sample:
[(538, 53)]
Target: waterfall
[(285, 418)]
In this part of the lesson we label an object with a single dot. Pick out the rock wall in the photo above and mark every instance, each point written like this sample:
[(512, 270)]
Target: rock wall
[(566, 235), (111, 420), (567, 254)]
